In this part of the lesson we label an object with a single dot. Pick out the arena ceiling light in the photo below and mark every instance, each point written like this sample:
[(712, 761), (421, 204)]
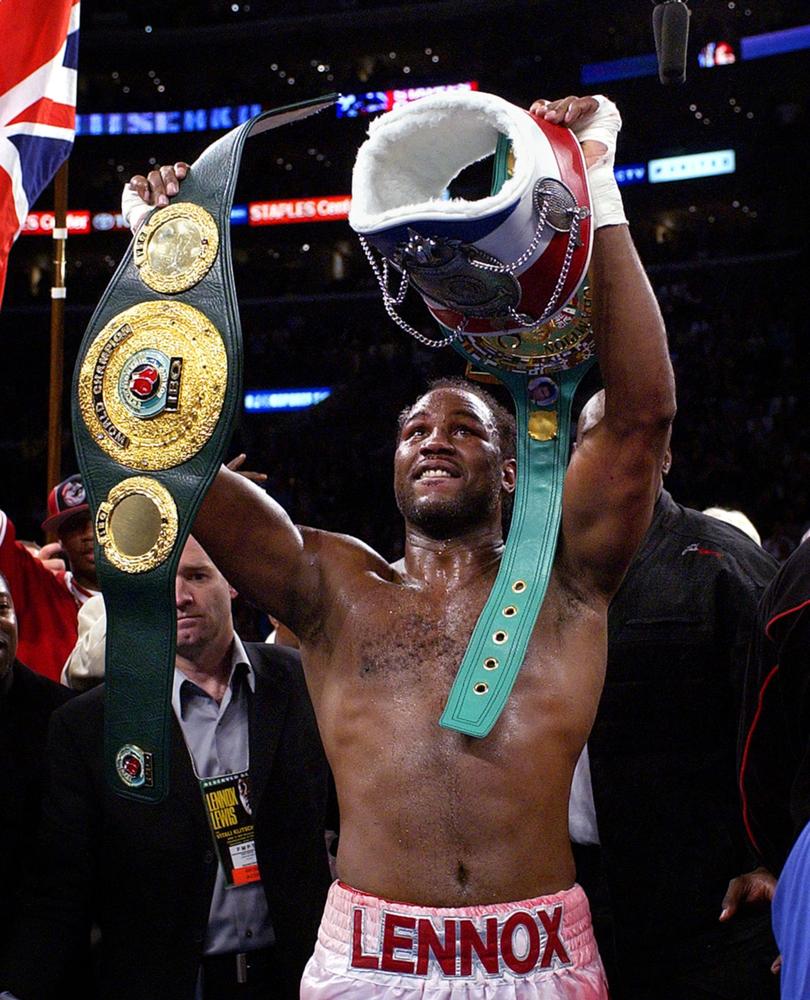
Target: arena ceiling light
[(270, 400), (684, 168)]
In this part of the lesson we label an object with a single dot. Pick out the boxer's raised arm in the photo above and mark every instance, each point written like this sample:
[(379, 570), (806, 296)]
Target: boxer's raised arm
[(614, 475), (260, 551)]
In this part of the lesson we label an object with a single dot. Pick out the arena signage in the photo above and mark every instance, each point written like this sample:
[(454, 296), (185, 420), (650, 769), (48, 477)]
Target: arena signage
[(772, 43), (717, 54), (165, 122), (230, 115), (685, 168), (286, 210), (376, 101), (43, 223)]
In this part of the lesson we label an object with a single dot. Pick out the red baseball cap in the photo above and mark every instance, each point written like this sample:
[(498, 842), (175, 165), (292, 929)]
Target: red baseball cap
[(66, 500)]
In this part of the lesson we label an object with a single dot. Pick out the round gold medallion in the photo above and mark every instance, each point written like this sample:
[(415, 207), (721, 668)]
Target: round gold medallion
[(560, 344), (175, 248), (152, 385), (137, 524)]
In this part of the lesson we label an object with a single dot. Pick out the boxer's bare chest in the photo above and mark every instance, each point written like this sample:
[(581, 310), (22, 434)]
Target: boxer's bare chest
[(414, 632), (400, 646)]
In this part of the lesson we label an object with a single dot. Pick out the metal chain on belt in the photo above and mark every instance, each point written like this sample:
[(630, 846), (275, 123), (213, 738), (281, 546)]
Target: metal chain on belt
[(521, 319), (389, 301), (542, 213), (577, 215)]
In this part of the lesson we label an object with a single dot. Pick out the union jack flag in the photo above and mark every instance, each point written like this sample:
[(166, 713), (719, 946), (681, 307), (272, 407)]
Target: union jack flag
[(39, 54)]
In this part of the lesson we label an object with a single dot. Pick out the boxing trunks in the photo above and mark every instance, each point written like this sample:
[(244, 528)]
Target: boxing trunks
[(536, 949)]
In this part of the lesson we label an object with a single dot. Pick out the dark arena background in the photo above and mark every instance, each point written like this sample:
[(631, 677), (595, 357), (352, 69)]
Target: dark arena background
[(721, 225)]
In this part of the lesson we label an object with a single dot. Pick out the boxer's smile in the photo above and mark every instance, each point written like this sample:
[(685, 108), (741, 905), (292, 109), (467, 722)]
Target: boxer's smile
[(434, 472)]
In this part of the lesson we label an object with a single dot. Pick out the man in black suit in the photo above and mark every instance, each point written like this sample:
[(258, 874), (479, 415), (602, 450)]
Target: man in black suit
[(26, 702), (184, 915)]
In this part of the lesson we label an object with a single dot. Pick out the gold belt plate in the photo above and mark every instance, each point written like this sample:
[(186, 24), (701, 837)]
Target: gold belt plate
[(136, 525), (152, 385), (176, 247), (560, 344)]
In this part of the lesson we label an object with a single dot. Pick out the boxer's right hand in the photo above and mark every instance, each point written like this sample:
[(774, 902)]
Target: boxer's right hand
[(154, 190)]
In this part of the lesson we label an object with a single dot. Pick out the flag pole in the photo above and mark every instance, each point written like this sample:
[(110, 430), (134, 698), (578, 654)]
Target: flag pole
[(58, 292)]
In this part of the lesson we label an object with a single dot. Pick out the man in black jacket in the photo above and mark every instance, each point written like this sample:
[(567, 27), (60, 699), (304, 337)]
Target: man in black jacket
[(775, 757), (183, 913), (664, 809), (774, 750), (26, 703)]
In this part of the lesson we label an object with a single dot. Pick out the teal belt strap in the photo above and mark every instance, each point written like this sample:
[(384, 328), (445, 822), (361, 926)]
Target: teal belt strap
[(504, 628), (156, 391)]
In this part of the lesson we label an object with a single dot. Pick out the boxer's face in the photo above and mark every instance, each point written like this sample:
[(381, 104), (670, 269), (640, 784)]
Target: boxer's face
[(448, 470), (203, 598), (8, 629)]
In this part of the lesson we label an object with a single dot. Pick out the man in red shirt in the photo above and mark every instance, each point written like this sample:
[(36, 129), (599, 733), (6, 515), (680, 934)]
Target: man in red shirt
[(47, 601)]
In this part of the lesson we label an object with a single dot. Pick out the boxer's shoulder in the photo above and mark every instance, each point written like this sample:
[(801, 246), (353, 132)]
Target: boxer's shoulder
[(344, 556)]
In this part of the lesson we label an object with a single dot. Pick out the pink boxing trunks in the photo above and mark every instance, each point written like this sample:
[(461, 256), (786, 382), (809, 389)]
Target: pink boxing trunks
[(536, 949)]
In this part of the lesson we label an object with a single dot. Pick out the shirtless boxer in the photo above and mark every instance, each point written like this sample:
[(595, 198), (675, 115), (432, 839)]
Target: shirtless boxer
[(455, 866)]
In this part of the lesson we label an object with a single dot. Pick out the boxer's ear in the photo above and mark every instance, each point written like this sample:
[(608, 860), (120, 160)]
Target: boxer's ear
[(509, 475)]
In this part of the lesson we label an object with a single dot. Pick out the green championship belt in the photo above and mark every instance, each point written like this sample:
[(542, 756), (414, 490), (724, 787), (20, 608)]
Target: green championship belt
[(498, 645), (156, 390), (505, 277)]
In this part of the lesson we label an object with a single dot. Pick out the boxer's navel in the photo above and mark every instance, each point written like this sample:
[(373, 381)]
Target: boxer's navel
[(462, 875)]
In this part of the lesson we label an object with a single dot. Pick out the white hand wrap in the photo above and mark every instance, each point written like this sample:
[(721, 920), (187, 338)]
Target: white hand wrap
[(603, 126), (133, 208)]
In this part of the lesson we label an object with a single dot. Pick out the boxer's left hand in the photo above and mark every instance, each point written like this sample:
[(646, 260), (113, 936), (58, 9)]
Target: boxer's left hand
[(752, 889), (568, 111), (564, 111)]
